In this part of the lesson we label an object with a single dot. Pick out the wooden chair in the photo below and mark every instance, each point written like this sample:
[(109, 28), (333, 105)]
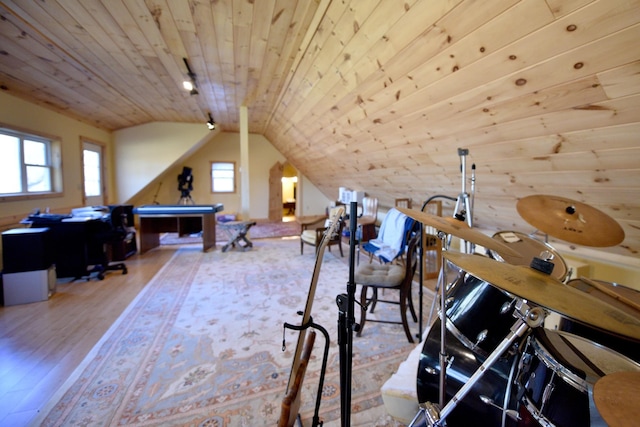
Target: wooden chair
[(291, 401), (403, 203), (312, 232), (393, 233), (367, 221), (389, 277)]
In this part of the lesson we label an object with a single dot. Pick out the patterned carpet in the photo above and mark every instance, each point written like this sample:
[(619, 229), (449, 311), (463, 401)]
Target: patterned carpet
[(202, 346), (262, 230)]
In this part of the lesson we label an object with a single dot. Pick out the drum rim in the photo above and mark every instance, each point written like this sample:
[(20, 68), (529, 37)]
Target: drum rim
[(535, 412), (545, 356), (599, 346)]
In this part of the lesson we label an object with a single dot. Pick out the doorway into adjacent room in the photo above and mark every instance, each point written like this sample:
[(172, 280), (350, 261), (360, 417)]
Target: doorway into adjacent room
[(283, 189), (289, 192), (92, 173)]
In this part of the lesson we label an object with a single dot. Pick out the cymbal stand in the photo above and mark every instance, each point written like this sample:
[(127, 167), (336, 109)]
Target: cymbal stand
[(527, 318), (443, 321), (421, 269), (464, 209)]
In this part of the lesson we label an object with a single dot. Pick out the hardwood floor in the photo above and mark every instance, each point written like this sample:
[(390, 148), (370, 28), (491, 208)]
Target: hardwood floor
[(42, 343)]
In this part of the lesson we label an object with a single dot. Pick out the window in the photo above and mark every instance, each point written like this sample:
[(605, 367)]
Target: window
[(26, 165), (223, 177)]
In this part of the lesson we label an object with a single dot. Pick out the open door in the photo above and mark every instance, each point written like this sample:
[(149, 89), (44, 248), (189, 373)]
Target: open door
[(275, 192)]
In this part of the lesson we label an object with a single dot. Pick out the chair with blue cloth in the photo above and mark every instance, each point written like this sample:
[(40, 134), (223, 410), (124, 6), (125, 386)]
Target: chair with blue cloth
[(391, 241), (389, 277)]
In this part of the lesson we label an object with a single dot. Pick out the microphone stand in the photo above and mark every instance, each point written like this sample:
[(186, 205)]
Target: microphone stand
[(346, 324)]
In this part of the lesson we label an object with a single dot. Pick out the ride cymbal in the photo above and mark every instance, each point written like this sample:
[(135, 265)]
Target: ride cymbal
[(617, 398), (546, 291), (455, 227), (571, 221)]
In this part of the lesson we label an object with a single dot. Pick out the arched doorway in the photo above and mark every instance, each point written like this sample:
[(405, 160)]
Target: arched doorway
[(283, 189)]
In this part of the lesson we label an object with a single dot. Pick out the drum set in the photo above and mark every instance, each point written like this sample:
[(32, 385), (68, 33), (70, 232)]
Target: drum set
[(489, 360)]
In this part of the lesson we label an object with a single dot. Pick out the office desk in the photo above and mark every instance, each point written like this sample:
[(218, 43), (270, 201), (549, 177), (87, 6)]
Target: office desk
[(183, 219)]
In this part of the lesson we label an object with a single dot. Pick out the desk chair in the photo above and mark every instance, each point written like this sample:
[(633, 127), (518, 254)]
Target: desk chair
[(114, 234), (392, 277)]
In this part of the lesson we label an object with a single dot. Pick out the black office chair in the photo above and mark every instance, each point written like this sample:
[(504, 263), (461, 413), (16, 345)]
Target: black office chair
[(113, 235)]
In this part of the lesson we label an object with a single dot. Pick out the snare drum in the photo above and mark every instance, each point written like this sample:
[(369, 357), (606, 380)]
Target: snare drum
[(556, 375), (528, 248)]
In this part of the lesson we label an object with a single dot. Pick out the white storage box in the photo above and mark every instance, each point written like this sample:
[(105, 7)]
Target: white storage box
[(29, 286)]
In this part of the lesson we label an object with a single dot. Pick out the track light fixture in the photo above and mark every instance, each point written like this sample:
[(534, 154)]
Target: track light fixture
[(211, 124), (190, 84)]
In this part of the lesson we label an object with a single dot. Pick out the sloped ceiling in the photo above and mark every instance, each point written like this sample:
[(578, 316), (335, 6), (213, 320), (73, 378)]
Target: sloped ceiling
[(371, 95)]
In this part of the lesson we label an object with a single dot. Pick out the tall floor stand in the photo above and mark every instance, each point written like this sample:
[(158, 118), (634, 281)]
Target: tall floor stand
[(346, 325), (464, 203), (421, 269)]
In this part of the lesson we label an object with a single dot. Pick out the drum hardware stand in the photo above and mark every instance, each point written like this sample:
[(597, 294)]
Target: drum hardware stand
[(527, 318), (311, 324), (464, 206), (421, 268), (347, 325), (511, 413), (465, 200)]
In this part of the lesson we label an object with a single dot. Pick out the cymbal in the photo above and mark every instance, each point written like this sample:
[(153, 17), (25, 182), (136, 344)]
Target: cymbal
[(569, 220), (617, 398), (547, 291), (455, 227)]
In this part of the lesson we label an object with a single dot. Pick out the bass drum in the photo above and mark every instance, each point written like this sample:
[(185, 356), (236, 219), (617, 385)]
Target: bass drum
[(528, 248), (611, 294), (556, 375), (494, 384), (480, 315)]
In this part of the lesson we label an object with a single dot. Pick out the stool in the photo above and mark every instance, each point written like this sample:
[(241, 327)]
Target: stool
[(237, 232)]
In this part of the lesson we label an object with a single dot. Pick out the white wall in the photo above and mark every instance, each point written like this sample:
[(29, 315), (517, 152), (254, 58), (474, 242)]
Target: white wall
[(310, 200), (141, 153), (225, 147)]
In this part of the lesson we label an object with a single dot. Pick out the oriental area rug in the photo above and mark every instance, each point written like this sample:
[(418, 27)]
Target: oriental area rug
[(262, 230), (202, 345)]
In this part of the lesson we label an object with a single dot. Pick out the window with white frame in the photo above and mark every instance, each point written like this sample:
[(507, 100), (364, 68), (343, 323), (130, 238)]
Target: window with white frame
[(26, 164), (223, 177)]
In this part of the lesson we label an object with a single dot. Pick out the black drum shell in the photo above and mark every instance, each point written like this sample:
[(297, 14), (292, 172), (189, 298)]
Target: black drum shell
[(473, 306), (493, 384)]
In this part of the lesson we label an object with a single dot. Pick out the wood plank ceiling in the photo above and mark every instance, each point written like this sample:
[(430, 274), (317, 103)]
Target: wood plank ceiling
[(373, 95)]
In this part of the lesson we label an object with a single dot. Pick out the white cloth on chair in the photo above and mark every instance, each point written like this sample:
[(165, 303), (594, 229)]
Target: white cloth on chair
[(391, 234)]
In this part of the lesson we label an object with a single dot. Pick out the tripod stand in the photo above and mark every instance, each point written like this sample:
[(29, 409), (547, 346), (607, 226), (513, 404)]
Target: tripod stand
[(186, 199)]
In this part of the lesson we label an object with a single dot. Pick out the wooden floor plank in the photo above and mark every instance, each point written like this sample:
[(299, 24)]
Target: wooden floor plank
[(42, 343)]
